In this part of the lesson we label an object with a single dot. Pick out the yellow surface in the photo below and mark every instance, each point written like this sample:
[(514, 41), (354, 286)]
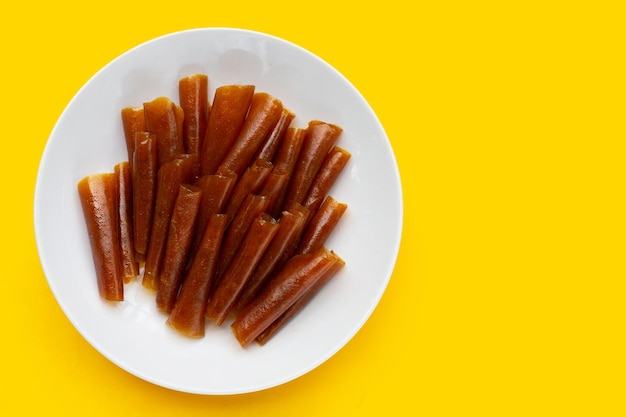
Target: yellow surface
[(508, 122)]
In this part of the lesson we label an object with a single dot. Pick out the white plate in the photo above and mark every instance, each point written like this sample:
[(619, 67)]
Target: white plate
[(88, 138)]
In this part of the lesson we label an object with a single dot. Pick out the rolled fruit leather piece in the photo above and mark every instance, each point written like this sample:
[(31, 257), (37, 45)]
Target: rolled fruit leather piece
[(133, 121), (329, 171), (273, 187), (215, 191), (256, 241), (265, 110), (164, 118), (270, 146), (298, 275), (250, 182), (178, 244), (282, 245), (171, 176), (299, 305), (145, 172), (319, 139), (228, 112), (193, 99), (321, 225), (237, 229), (98, 197), (285, 162), (130, 266), (187, 315)]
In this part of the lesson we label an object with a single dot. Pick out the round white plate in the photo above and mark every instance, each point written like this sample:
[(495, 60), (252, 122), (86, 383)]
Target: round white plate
[(88, 138)]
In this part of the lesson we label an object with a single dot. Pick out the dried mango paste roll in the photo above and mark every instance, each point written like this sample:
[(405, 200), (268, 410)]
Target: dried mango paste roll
[(331, 167), (193, 99), (228, 112), (281, 247), (260, 234), (171, 175), (321, 225), (187, 315), (320, 138), (164, 118), (179, 238), (293, 281), (98, 196), (299, 305), (130, 266), (271, 145), (265, 111), (133, 121), (145, 172)]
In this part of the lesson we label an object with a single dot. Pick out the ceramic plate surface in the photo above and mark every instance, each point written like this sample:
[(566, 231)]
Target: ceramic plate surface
[(88, 138)]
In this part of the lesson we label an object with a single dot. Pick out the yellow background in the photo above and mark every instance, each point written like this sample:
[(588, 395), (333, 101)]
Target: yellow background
[(507, 120)]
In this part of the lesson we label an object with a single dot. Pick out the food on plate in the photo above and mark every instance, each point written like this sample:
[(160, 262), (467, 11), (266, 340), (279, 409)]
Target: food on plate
[(331, 167), (98, 197), (264, 112), (130, 266), (179, 238), (188, 313), (257, 239), (133, 121), (228, 112), (319, 139), (321, 225), (250, 182), (285, 163), (193, 92), (273, 187), (300, 303), (294, 280), (280, 249), (272, 143), (171, 176), (145, 172), (250, 209), (215, 191), (223, 208), (165, 119)]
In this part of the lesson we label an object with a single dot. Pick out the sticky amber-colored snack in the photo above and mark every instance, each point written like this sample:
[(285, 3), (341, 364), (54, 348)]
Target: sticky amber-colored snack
[(265, 110), (98, 196), (225, 204), (178, 244), (285, 162), (320, 138), (333, 164), (291, 226), (273, 187), (133, 121), (130, 267), (228, 112), (215, 191), (298, 275), (144, 188), (257, 239), (296, 307), (193, 99), (287, 156), (164, 119), (321, 225), (250, 182), (190, 306), (171, 176), (270, 146), (236, 230)]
